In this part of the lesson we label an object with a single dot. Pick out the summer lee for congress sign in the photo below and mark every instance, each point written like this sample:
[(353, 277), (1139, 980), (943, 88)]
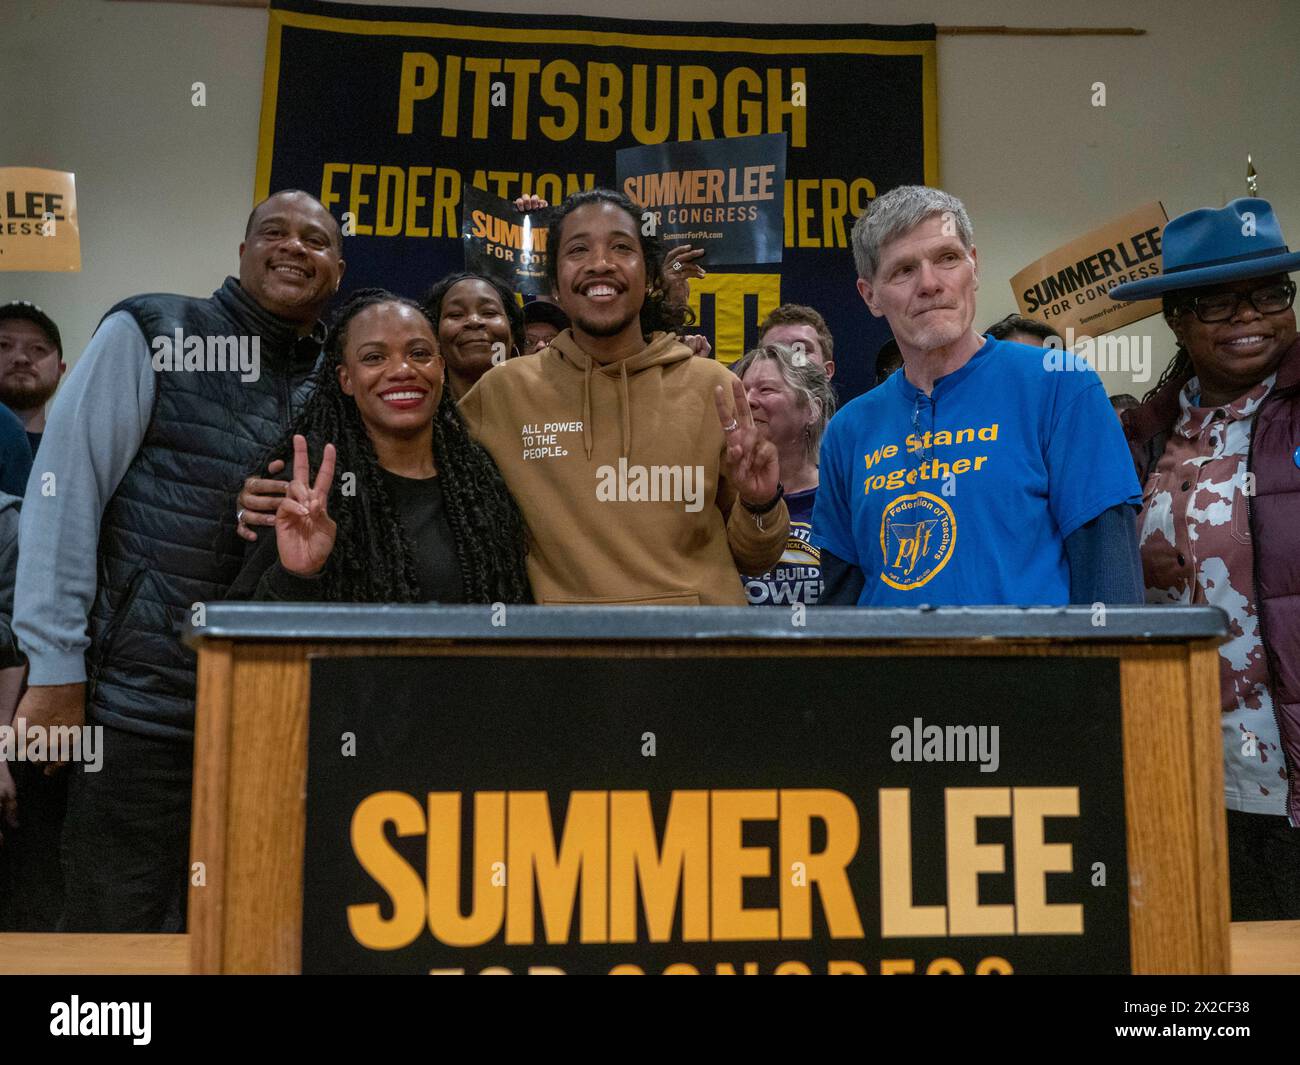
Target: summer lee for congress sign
[(38, 220), (505, 243), (389, 113), (1068, 288), (723, 195), (626, 815)]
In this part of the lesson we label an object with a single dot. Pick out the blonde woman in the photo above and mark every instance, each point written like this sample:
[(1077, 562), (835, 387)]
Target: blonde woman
[(791, 399)]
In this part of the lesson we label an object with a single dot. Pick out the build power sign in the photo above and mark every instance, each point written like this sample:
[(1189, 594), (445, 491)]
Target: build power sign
[(614, 815)]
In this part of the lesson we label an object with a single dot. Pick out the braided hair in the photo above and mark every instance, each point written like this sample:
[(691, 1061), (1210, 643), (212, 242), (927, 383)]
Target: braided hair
[(1180, 367), (657, 314), (369, 564)]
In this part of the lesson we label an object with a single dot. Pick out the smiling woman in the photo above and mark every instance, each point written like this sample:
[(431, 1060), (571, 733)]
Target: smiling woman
[(1214, 445), (792, 401), (420, 512), (479, 324)]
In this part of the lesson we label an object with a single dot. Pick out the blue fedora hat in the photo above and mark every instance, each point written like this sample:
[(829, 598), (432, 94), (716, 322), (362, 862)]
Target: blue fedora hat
[(1209, 247)]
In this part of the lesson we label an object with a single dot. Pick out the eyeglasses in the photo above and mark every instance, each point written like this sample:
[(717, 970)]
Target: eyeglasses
[(924, 452), (1220, 306)]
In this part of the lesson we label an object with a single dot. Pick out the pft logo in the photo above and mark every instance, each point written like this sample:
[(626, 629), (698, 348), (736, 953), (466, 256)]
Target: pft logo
[(917, 534)]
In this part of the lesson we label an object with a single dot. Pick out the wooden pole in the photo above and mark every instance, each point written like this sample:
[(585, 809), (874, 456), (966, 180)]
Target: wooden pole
[(1039, 31), (943, 31)]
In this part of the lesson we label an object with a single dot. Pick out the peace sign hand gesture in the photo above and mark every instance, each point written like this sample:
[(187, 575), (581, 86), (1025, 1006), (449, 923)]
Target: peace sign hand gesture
[(304, 531), (749, 462)]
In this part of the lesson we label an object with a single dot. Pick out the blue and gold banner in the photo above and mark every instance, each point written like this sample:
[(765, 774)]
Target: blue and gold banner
[(388, 114)]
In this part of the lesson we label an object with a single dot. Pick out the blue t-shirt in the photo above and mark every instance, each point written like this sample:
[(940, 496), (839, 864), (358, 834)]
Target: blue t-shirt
[(965, 497), (797, 578)]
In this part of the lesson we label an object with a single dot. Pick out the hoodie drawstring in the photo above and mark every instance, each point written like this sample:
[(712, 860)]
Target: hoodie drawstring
[(662, 350), (586, 409), (627, 412)]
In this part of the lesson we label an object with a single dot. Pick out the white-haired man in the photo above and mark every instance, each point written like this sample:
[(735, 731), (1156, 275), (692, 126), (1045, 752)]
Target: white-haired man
[(978, 475)]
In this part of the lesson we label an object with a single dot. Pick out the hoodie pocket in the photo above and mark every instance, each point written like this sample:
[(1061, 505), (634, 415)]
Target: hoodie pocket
[(662, 599)]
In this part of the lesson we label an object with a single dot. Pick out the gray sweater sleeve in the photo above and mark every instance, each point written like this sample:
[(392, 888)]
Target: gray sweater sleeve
[(95, 429)]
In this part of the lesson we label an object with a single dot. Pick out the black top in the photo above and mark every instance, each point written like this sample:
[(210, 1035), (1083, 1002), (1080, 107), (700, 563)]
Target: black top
[(423, 514)]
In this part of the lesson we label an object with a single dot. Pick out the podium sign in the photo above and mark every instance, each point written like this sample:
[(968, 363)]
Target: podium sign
[(731, 814)]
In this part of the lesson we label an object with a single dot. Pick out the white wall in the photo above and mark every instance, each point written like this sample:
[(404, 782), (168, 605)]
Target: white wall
[(102, 88)]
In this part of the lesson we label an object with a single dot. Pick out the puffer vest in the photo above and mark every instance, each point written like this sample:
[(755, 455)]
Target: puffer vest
[(167, 538), (1274, 510)]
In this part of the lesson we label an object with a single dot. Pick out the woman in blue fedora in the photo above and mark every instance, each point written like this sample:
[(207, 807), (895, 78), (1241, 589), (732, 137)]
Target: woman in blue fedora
[(1216, 444)]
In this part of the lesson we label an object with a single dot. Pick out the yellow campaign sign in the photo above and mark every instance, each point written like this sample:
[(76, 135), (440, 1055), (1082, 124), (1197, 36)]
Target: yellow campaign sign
[(1068, 287), (38, 220)]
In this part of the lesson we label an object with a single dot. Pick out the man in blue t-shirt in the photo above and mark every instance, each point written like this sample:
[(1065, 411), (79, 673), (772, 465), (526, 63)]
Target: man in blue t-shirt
[(976, 474)]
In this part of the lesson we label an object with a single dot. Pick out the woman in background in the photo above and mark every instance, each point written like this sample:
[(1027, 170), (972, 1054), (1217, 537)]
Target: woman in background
[(1214, 446), (479, 325), (792, 400)]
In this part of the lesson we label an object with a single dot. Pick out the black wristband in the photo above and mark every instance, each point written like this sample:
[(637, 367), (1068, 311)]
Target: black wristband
[(763, 508)]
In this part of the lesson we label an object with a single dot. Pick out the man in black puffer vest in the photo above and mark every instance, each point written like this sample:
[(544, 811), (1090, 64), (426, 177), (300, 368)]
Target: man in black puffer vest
[(128, 525)]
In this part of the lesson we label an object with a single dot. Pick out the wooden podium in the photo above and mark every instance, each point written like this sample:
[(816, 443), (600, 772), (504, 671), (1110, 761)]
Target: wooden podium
[(249, 813)]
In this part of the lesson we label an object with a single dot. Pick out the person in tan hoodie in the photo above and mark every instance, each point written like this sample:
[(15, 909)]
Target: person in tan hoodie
[(637, 467)]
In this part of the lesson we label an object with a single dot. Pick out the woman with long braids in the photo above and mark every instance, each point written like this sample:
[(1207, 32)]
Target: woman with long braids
[(424, 515)]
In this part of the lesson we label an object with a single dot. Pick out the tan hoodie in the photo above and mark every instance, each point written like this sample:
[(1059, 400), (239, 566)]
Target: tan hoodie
[(616, 468)]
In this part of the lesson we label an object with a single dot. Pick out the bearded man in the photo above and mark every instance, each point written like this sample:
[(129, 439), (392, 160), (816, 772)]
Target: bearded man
[(31, 364)]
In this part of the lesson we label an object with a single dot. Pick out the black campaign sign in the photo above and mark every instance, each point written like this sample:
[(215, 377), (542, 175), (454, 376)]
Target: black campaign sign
[(722, 195), (505, 243), (715, 815)]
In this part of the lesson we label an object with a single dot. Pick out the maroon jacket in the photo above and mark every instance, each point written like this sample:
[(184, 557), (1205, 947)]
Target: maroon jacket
[(1274, 530)]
